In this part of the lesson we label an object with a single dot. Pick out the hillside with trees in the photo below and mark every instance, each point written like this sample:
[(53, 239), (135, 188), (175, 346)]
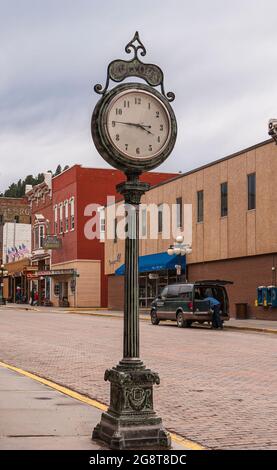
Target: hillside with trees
[(18, 189)]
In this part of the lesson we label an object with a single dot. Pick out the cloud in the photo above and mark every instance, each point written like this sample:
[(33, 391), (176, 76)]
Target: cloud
[(219, 58)]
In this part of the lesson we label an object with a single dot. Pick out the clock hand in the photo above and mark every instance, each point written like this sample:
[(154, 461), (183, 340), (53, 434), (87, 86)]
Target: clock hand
[(127, 123), (141, 126)]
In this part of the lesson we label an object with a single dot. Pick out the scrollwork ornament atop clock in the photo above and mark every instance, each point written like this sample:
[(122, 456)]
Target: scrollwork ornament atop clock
[(133, 125)]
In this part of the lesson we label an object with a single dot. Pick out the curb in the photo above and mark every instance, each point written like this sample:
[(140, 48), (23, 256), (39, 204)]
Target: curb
[(250, 328)]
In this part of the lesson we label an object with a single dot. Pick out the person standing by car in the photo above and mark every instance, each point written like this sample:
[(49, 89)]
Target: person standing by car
[(215, 306)]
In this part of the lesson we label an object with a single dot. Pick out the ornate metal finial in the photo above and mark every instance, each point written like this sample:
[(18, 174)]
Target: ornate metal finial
[(119, 70), (136, 47)]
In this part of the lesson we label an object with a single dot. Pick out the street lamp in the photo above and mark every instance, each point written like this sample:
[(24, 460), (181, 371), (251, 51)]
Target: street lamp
[(179, 248), (272, 129), (3, 273)]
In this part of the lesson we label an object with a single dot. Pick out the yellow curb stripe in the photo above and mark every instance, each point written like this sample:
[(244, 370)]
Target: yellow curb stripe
[(89, 401), (186, 442)]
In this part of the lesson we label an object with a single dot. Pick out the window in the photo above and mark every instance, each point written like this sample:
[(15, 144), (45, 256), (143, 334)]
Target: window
[(251, 181), (16, 219), (55, 219), (66, 216), (160, 218), (1, 218), (185, 293), (164, 292), (224, 199), (200, 206), (41, 236), (36, 237), (39, 231), (143, 222), (57, 290), (179, 204), (72, 214), (173, 291), (61, 217), (115, 231)]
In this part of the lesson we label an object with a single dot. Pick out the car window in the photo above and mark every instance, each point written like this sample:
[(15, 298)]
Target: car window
[(164, 292), (173, 291), (185, 295), (208, 292)]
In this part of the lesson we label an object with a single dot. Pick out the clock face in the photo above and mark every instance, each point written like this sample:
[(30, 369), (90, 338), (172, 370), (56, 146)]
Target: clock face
[(137, 124)]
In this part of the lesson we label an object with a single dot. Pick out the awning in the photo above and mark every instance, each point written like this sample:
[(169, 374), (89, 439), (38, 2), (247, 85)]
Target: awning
[(156, 262)]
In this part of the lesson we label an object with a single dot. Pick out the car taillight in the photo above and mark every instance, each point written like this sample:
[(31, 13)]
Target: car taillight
[(190, 305)]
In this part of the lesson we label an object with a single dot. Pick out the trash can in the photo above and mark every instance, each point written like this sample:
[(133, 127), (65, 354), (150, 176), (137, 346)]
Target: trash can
[(241, 311)]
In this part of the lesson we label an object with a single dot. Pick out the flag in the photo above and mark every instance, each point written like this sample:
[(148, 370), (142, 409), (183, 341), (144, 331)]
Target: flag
[(24, 249)]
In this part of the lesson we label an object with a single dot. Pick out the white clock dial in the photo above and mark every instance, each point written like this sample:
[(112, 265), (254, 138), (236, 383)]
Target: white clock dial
[(138, 124)]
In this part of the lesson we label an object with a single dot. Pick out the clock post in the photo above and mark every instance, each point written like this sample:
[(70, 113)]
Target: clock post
[(130, 421)]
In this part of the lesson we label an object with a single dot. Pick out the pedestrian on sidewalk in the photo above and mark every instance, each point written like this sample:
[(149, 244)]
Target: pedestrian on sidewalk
[(35, 298), (32, 299)]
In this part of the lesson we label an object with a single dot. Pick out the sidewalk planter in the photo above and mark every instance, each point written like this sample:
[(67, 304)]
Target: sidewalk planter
[(241, 311)]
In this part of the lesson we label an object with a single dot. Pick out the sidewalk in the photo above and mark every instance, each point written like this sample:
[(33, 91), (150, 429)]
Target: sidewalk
[(34, 416), (263, 326)]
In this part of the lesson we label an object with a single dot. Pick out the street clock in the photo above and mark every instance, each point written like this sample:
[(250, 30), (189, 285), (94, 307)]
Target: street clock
[(133, 126), (134, 129)]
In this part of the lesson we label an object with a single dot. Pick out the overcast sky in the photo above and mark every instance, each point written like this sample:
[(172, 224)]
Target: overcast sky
[(218, 56)]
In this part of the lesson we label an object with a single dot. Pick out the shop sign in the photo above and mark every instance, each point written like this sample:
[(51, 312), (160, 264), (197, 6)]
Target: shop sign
[(52, 242), (58, 272), (153, 276), (116, 260)]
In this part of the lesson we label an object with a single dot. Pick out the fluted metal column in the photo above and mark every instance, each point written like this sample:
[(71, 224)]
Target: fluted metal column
[(132, 190), (131, 315)]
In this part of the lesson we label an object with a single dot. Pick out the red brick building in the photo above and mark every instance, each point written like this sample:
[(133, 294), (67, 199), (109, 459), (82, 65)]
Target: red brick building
[(72, 273)]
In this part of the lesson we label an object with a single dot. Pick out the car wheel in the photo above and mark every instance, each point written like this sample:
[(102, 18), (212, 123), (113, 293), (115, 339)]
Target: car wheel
[(154, 318), (180, 320)]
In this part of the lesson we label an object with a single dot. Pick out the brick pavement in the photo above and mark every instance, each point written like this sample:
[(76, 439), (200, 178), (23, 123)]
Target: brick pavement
[(217, 387)]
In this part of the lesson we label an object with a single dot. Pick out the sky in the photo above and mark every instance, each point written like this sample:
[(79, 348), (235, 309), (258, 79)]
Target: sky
[(218, 57)]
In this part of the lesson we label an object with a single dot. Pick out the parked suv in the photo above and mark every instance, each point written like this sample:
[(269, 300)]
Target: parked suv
[(188, 303)]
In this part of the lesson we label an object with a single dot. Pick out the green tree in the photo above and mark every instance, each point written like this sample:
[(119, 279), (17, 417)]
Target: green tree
[(58, 170)]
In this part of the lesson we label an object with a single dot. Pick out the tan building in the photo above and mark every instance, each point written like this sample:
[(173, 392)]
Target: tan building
[(234, 230)]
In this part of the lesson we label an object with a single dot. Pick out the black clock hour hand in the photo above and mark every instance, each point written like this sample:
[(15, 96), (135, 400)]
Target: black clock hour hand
[(142, 126)]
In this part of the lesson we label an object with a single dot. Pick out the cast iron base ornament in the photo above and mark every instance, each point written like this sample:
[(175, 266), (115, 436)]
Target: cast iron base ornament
[(134, 129), (131, 421)]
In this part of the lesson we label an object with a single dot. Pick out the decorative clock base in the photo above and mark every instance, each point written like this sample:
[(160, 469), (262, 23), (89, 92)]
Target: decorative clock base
[(130, 421)]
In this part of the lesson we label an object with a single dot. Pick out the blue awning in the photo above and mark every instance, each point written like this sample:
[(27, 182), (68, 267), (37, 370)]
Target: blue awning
[(156, 262)]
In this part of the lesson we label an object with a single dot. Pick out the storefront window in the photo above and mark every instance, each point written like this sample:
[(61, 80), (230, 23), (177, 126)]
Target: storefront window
[(47, 288), (57, 290), (152, 284)]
